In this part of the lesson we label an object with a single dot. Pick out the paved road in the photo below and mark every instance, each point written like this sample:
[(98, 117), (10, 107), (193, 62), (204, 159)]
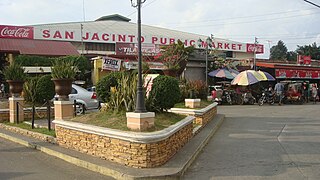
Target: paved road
[(267, 142), (19, 162)]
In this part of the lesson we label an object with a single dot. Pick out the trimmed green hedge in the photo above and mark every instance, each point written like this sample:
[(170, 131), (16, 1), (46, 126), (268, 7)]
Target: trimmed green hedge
[(165, 93), (104, 84)]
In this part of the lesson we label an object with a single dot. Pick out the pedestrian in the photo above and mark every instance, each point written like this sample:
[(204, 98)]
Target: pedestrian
[(279, 88), (314, 93)]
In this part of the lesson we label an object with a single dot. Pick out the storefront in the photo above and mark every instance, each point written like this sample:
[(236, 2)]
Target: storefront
[(292, 71)]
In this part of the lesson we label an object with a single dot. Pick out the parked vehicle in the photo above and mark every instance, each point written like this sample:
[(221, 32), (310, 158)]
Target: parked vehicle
[(293, 93), (226, 97), (266, 97), (85, 100), (216, 93), (247, 98)]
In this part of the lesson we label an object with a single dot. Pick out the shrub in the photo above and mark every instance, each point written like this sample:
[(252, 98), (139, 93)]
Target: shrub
[(164, 94), (197, 86), (63, 69), (104, 84), (123, 96), (14, 72), (45, 89), (29, 89)]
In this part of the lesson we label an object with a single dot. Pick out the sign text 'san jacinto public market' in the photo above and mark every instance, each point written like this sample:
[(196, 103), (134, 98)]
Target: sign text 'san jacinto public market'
[(65, 34)]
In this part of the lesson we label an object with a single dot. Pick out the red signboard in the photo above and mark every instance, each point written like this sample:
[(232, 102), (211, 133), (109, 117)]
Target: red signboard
[(297, 74), (304, 60), (258, 47), (307, 60), (16, 32), (132, 49)]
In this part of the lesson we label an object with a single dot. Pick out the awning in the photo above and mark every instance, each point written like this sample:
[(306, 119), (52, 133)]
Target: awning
[(37, 47)]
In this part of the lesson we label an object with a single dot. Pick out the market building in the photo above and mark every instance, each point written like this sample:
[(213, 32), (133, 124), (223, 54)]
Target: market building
[(115, 36)]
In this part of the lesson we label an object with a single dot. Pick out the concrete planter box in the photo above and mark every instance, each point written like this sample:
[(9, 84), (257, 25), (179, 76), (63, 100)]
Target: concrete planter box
[(203, 116), (134, 149), (192, 103)]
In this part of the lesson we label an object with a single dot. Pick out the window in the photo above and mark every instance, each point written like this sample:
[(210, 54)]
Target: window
[(99, 46)]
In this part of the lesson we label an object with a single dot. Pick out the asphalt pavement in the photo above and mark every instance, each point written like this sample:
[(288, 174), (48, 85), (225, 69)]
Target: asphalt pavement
[(262, 142), (19, 162)]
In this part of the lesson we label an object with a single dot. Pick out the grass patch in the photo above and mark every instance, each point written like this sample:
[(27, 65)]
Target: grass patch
[(118, 121), (203, 104), (28, 127)]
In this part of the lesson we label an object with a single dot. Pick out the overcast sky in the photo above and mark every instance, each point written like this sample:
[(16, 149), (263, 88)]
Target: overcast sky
[(293, 21)]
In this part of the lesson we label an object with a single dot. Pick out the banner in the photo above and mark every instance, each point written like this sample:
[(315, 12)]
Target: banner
[(297, 74), (16, 32), (259, 48), (304, 60), (111, 64), (131, 49)]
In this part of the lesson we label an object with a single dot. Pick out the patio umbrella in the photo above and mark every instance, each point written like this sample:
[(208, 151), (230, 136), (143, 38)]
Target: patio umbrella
[(223, 73), (247, 77), (266, 76)]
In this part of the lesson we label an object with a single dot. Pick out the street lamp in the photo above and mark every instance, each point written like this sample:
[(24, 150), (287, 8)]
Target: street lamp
[(208, 43), (140, 105)]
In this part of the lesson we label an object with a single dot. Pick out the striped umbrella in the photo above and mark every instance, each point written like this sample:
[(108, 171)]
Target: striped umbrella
[(247, 77), (266, 76), (223, 73)]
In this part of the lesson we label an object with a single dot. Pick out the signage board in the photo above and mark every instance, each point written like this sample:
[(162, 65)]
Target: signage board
[(111, 64), (16, 32), (297, 74)]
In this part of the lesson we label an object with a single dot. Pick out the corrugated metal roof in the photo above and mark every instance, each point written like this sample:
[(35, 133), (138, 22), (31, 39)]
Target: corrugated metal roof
[(37, 47), (124, 28)]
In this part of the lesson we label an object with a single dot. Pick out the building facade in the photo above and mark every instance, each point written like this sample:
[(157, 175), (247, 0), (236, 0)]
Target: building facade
[(116, 36)]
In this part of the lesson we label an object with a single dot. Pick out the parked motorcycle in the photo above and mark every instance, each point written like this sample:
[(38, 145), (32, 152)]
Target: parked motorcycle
[(266, 97), (247, 98), (226, 97)]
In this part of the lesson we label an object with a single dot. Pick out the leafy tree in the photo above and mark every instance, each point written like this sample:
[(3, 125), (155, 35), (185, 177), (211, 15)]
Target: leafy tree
[(309, 50), (175, 56), (292, 56), (279, 51)]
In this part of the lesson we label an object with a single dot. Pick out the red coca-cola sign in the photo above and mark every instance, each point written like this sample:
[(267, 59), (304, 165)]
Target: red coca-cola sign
[(16, 32), (251, 47)]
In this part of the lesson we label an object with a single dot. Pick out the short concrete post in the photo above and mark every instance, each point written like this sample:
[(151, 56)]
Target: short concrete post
[(192, 103), (140, 121), (13, 109), (63, 110)]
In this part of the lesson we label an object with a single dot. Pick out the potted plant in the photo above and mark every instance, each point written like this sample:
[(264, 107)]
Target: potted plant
[(174, 58), (15, 76), (63, 73)]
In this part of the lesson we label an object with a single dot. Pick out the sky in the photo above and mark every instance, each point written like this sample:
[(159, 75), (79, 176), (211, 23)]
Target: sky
[(295, 22)]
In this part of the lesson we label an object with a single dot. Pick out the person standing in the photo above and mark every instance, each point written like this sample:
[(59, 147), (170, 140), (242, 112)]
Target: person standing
[(279, 88), (314, 93)]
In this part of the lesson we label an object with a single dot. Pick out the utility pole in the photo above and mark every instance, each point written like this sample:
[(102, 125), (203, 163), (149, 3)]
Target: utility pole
[(140, 105), (254, 53), (269, 48)]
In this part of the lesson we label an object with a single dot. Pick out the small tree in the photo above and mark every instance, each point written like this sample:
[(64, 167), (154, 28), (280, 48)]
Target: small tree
[(279, 51), (175, 56)]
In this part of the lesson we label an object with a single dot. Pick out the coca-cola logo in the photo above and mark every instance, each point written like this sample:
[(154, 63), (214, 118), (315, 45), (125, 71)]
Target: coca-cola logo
[(16, 32), (258, 48)]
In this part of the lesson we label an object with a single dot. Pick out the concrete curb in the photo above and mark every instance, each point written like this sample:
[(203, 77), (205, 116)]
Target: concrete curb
[(174, 169)]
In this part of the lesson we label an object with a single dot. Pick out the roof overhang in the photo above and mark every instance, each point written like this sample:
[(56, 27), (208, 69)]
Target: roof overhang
[(37, 47)]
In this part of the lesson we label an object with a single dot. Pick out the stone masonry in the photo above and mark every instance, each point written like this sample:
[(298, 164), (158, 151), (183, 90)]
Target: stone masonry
[(133, 154)]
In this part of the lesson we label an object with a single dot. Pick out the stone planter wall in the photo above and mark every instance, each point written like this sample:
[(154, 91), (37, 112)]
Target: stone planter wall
[(134, 149), (203, 116), (4, 114), (25, 132)]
